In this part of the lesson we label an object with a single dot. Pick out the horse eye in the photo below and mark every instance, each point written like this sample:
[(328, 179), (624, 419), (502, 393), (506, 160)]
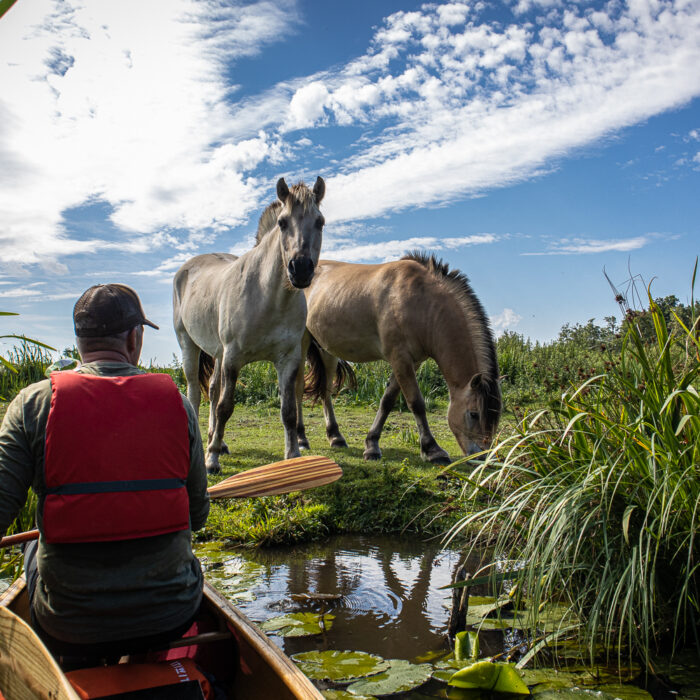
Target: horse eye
[(319, 222), (474, 415), (282, 223)]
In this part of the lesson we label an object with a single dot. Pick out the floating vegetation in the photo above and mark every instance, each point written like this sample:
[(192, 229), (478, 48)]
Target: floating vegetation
[(466, 646), (299, 624), (339, 666), (486, 675), (400, 677), (344, 695), (236, 578)]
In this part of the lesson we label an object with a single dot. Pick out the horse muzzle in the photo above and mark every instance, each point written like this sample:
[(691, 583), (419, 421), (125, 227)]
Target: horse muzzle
[(300, 271)]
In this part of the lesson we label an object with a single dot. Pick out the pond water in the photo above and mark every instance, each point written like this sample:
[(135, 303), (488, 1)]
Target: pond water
[(390, 602), (380, 595)]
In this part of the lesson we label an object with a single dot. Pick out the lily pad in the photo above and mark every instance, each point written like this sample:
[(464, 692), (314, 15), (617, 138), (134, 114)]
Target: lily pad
[(300, 624), (398, 678), (466, 646), (344, 695), (486, 675), (445, 669), (556, 678), (339, 666)]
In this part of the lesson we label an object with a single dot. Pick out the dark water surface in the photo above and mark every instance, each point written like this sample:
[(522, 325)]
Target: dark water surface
[(391, 601)]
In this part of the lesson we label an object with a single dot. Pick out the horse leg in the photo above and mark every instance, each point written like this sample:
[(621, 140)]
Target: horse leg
[(430, 451), (299, 390), (214, 392), (227, 376), (335, 437), (387, 402), (287, 370), (190, 366)]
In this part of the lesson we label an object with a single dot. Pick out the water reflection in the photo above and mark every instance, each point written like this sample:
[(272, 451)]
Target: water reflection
[(390, 601)]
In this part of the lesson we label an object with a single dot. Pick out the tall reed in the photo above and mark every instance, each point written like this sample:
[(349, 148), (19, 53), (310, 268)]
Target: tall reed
[(596, 500)]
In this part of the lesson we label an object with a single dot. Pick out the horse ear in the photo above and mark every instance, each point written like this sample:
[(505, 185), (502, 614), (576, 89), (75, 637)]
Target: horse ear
[(319, 189), (475, 381), (282, 190)]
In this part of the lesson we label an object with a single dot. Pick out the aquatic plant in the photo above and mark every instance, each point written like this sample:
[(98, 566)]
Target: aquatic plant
[(595, 501)]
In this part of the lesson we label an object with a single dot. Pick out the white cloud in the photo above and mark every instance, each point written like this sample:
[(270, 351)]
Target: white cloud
[(578, 246), (394, 249), (97, 106), (306, 105), (504, 321)]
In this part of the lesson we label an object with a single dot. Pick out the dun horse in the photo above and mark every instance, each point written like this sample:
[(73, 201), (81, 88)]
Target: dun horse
[(229, 311), (404, 312)]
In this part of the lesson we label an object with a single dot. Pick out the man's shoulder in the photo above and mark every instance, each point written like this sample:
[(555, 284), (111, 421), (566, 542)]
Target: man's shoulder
[(38, 391)]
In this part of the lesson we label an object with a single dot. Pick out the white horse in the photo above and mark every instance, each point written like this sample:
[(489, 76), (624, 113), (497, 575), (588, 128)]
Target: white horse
[(229, 311)]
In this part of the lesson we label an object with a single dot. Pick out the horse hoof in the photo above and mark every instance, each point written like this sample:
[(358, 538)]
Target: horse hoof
[(339, 442), (224, 449), (441, 459), (213, 470), (304, 444), (372, 455)]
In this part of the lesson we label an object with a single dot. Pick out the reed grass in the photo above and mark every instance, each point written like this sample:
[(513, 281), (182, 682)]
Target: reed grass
[(595, 500)]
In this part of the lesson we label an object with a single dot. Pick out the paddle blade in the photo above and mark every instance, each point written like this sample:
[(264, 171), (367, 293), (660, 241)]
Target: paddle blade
[(294, 474)]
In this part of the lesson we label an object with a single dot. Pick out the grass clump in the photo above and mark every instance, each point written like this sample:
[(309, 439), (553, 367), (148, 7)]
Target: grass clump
[(595, 500)]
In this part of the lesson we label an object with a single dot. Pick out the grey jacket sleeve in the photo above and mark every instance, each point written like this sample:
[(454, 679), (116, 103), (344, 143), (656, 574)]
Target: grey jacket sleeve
[(197, 478), (16, 464)]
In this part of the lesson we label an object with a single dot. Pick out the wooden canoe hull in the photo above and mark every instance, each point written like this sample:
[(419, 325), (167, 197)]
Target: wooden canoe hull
[(241, 654)]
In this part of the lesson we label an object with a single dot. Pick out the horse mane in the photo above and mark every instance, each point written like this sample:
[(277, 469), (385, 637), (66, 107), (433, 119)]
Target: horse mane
[(299, 195), (476, 317)]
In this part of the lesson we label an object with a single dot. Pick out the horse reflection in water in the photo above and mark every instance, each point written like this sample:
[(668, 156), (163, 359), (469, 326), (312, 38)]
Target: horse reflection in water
[(404, 312), (229, 311)]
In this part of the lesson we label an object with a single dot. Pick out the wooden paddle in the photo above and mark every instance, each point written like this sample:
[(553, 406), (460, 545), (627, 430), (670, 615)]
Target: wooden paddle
[(296, 474)]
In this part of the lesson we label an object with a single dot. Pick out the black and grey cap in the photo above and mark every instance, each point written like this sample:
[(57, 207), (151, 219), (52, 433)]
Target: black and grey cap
[(108, 309)]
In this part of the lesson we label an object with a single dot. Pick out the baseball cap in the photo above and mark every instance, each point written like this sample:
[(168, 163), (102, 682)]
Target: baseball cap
[(108, 309)]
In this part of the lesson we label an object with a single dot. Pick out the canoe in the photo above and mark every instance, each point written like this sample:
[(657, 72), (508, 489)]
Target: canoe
[(224, 643)]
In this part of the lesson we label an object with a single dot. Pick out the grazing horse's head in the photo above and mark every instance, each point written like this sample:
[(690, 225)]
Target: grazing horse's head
[(474, 413), (301, 229)]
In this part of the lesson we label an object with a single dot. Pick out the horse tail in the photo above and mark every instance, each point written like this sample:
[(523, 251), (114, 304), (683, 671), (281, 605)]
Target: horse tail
[(344, 374), (206, 369), (316, 380)]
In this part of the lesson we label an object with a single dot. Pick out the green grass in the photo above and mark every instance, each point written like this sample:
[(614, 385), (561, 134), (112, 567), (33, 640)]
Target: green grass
[(398, 494), (595, 500)]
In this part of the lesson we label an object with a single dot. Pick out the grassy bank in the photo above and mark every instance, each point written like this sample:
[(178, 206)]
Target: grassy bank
[(398, 494)]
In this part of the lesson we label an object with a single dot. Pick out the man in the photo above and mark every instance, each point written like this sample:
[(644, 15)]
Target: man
[(115, 457)]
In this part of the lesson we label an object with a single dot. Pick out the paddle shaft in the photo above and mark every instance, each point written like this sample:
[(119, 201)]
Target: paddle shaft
[(294, 474)]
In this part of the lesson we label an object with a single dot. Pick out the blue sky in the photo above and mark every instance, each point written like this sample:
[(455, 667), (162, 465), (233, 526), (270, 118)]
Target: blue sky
[(529, 143)]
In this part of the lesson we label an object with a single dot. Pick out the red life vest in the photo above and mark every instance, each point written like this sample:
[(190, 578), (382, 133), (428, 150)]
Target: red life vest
[(116, 460)]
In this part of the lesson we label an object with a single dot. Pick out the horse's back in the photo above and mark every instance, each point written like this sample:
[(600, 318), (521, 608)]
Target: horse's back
[(358, 311)]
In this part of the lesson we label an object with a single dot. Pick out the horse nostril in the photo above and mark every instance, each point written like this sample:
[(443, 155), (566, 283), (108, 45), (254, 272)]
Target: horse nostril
[(301, 268)]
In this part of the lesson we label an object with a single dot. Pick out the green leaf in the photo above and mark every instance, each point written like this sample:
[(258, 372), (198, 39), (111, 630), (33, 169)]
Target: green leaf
[(400, 677), (339, 666), (466, 645), (344, 695), (626, 522), (486, 675), (301, 624)]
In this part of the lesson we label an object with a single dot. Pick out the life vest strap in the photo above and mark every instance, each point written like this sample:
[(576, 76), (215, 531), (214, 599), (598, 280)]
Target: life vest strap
[(118, 486)]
